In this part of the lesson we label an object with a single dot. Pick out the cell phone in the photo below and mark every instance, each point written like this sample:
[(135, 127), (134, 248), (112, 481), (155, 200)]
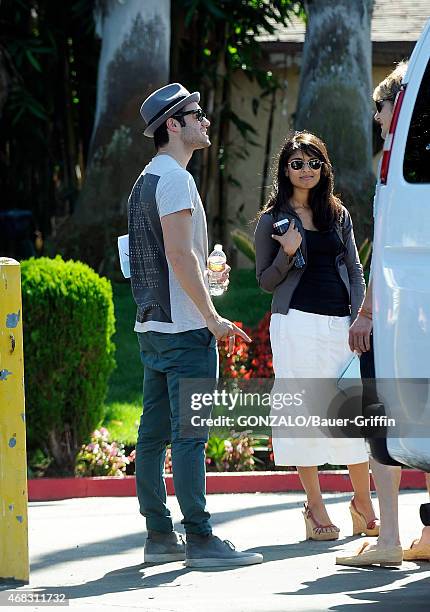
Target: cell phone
[(279, 228)]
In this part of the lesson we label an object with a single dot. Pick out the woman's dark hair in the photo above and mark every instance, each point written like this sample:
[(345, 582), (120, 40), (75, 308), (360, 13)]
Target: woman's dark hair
[(326, 207), (161, 136)]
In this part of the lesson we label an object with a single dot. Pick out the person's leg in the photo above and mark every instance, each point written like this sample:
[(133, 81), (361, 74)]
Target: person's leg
[(387, 482), (360, 479), (425, 535), (386, 477), (311, 484), (317, 521), (387, 550), (424, 540), (153, 436), (192, 354)]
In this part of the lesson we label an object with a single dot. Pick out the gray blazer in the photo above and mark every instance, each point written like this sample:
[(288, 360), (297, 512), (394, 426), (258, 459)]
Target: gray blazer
[(276, 272)]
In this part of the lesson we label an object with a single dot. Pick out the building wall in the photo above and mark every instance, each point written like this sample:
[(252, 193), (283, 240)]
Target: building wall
[(244, 201)]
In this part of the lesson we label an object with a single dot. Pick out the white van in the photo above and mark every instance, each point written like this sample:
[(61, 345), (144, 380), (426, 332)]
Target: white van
[(401, 264)]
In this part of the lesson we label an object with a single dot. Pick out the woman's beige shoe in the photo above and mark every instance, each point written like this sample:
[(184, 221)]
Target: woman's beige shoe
[(373, 555), (359, 525), (417, 553), (316, 531)]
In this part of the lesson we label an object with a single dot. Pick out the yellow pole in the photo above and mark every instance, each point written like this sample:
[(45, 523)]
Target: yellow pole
[(14, 562)]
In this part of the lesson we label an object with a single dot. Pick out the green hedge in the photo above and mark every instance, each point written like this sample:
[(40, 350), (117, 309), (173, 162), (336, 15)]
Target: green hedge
[(68, 321)]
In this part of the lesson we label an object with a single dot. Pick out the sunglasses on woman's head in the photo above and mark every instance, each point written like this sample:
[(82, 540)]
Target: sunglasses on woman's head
[(298, 164), (380, 103)]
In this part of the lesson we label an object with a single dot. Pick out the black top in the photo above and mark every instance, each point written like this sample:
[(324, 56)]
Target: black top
[(276, 272), (321, 290)]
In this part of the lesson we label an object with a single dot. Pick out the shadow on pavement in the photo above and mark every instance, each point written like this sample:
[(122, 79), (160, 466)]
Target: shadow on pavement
[(105, 548), (43, 504), (126, 579), (7, 584), (413, 595), (132, 541), (365, 578), (222, 517), (304, 548), (133, 578)]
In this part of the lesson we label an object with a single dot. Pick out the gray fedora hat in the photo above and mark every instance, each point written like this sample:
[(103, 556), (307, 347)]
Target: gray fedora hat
[(164, 103)]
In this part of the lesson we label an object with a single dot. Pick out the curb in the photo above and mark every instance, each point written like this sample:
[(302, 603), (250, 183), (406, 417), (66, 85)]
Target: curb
[(50, 489)]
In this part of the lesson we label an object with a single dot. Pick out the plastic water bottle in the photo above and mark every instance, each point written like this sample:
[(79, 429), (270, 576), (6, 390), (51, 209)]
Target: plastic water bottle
[(216, 266)]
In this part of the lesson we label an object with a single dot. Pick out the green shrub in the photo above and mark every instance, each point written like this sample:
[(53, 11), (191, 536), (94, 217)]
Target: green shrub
[(68, 322)]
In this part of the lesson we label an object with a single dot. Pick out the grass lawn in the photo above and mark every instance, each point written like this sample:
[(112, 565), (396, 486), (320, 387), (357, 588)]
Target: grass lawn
[(244, 302)]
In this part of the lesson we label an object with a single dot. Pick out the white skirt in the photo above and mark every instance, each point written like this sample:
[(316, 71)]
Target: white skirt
[(307, 345)]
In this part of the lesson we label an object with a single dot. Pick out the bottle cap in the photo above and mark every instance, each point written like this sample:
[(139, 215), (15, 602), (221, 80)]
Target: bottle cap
[(218, 247)]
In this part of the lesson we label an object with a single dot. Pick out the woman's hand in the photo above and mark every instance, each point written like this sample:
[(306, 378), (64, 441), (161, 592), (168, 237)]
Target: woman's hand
[(290, 241), (359, 335)]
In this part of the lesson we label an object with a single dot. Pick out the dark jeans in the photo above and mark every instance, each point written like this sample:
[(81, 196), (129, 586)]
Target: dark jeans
[(167, 358)]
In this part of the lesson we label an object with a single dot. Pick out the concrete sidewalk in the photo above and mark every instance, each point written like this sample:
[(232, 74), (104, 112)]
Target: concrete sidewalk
[(92, 550)]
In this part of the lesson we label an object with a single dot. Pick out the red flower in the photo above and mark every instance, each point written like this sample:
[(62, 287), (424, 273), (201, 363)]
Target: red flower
[(248, 361)]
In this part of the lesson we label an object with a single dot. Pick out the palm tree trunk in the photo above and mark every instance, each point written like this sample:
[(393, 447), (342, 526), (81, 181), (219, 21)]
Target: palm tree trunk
[(268, 149), (335, 95), (134, 61), (211, 180)]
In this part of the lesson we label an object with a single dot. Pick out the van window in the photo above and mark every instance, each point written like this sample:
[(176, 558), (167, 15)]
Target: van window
[(416, 165)]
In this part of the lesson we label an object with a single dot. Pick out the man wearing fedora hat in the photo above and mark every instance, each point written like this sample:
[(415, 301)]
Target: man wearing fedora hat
[(177, 327)]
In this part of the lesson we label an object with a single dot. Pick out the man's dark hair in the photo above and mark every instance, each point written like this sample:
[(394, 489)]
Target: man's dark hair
[(161, 136)]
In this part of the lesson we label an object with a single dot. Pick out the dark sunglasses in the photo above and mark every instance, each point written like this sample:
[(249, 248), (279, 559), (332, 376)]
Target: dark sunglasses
[(199, 113), (298, 164), (380, 103)]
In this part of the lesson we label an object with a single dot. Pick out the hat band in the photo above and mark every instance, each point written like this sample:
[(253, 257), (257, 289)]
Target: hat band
[(165, 108)]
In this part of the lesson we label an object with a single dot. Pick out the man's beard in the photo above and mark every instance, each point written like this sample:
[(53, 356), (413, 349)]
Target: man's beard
[(194, 140)]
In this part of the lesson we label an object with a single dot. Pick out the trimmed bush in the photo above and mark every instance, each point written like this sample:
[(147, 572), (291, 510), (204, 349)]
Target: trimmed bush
[(68, 319)]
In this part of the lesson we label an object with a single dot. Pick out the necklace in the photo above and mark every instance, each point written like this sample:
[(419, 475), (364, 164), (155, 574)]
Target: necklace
[(299, 206)]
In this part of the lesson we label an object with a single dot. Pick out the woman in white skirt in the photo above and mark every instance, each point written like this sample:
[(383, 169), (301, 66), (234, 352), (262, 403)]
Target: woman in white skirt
[(314, 272)]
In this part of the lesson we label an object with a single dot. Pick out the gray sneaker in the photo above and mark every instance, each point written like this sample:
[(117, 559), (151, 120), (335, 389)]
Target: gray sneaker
[(210, 551), (163, 547)]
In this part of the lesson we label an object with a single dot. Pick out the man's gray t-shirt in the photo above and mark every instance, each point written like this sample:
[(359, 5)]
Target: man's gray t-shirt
[(163, 188)]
